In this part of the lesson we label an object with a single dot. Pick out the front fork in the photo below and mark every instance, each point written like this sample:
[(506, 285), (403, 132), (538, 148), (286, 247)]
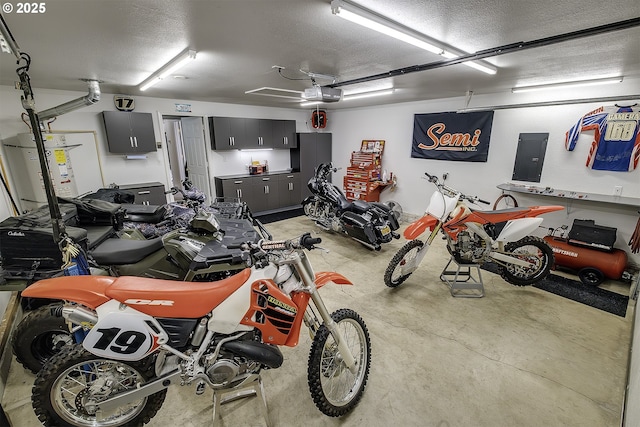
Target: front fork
[(413, 264), (332, 326), (303, 267)]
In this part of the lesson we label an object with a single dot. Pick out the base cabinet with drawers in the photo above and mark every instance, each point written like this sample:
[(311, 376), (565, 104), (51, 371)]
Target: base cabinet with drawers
[(150, 193), (262, 192)]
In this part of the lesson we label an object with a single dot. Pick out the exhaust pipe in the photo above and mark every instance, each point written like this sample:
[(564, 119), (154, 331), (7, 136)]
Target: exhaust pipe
[(91, 98), (80, 316)]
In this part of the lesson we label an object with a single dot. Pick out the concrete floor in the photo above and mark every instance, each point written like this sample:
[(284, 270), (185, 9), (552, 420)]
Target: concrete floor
[(517, 357)]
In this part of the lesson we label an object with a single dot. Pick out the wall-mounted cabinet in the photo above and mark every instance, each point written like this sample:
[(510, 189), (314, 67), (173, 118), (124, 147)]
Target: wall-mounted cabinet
[(233, 133), (129, 132)]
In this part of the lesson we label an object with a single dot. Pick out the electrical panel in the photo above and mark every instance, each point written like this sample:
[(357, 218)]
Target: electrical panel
[(24, 165)]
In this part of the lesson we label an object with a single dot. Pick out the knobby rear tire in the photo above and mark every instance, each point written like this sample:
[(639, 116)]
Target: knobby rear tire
[(76, 356), (512, 276)]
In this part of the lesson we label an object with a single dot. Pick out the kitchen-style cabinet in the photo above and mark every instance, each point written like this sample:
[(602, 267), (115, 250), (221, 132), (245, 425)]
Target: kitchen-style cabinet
[(150, 193), (233, 133), (313, 149), (262, 193), (227, 133), (129, 132), (259, 133), (284, 134), (289, 193)]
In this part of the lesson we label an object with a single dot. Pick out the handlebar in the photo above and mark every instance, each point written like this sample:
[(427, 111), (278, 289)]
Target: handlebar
[(305, 241), (434, 179)]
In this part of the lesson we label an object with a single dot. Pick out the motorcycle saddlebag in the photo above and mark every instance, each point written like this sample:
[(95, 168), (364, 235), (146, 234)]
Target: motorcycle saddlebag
[(584, 232), (23, 245), (98, 212), (358, 227), (41, 216)]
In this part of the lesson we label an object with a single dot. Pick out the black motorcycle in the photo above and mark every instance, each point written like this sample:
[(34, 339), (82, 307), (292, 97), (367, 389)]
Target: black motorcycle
[(370, 223)]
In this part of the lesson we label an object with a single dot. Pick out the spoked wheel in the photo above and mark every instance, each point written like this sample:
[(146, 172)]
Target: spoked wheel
[(40, 335), (69, 387), (334, 388), (394, 275), (531, 249)]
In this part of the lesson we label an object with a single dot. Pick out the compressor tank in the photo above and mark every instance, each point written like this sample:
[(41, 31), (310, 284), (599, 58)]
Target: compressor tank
[(611, 264)]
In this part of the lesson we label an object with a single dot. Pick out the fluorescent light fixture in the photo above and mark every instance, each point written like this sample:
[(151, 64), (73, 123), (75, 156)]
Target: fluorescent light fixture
[(310, 103), (376, 22), (369, 94), (565, 85), (171, 67)]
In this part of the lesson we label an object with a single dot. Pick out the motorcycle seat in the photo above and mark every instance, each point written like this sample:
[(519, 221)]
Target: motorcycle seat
[(125, 251), (175, 299), (359, 206), (499, 211)]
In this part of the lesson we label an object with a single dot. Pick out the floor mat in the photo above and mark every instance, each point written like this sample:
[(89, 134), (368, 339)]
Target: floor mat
[(601, 299), (279, 216)]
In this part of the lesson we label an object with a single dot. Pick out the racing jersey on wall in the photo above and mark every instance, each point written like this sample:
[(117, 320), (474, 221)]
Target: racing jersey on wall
[(616, 142)]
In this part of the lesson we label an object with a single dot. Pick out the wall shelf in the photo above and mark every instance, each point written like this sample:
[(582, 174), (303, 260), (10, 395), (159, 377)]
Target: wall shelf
[(570, 195)]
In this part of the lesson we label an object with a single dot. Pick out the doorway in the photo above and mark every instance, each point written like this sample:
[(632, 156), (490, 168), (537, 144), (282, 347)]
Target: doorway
[(187, 151)]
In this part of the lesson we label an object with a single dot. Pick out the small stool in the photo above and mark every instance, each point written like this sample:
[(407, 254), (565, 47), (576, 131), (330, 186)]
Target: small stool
[(251, 386), (461, 281)]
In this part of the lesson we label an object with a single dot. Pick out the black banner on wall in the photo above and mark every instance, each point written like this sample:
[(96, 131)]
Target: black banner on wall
[(452, 136)]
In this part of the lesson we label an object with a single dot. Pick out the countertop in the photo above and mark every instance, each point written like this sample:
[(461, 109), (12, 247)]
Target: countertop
[(247, 175)]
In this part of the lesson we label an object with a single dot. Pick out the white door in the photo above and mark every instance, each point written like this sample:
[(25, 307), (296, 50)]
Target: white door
[(195, 152)]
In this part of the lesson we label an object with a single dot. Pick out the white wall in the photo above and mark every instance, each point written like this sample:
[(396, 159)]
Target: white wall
[(562, 169), (115, 168)]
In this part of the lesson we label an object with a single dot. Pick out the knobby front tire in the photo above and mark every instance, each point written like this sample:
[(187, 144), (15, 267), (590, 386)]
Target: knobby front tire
[(393, 276), (334, 388)]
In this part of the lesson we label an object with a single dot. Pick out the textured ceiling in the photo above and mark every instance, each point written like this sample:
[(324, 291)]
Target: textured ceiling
[(238, 41)]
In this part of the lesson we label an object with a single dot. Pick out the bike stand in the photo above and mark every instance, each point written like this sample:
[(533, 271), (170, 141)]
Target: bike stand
[(461, 281), (247, 389)]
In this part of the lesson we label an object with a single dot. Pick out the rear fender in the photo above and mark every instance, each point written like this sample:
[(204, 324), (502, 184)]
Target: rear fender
[(539, 210), (86, 290), (324, 277), (417, 227)]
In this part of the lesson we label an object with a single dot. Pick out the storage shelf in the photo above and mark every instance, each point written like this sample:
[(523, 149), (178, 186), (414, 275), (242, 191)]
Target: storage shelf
[(571, 195)]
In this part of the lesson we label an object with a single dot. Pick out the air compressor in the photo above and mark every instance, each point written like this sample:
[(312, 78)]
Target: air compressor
[(592, 265)]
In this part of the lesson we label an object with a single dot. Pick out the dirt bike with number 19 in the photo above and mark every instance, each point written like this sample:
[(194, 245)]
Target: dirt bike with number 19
[(476, 237), (145, 335)]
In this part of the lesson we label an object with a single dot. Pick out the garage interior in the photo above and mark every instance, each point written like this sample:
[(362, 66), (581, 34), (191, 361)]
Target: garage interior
[(517, 355)]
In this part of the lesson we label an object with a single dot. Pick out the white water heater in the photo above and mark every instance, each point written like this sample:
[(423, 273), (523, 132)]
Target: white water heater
[(24, 165)]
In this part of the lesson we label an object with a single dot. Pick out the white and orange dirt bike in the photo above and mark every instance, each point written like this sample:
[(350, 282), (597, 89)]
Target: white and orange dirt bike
[(145, 335), (476, 237)]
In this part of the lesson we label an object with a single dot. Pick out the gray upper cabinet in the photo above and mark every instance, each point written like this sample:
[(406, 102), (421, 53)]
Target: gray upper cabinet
[(129, 132), (233, 133), (284, 134), (227, 133)]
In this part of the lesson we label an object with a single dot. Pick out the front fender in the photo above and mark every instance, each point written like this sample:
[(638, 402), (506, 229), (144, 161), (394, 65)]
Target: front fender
[(308, 200), (323, 277), (417, 227)]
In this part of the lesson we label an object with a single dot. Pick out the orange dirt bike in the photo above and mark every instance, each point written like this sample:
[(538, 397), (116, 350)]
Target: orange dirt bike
[(476, 237), (145, 335)]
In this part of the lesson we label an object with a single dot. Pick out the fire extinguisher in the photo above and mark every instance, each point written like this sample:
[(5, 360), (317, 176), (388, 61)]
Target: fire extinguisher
[(319, 119)]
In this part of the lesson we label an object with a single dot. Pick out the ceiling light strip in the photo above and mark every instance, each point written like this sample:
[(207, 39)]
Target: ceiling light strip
[(373, 21), (369, 94), (566, 85), (165, 71)]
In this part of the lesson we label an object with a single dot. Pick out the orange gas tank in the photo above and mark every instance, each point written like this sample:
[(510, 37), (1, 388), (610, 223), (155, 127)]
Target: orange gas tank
[(611, 264)]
